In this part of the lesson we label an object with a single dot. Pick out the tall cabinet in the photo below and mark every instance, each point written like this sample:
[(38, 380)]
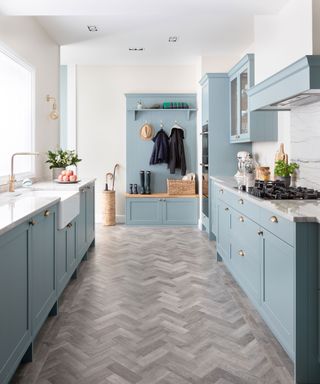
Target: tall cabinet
[(221, 152)]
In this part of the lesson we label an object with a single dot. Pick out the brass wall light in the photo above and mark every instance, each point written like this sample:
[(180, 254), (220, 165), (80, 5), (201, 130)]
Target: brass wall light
[(54, 114)]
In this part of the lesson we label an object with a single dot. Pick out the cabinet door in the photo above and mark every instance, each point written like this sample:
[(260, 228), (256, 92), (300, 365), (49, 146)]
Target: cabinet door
[(182, 211), (246, 254), (223, 238), (205, 104), (81, 226), (71, 248), (89, 214), (144, 211), (244, 113), (43, 286), (62, 262), (278, 288), (14, 300), (234, 118)]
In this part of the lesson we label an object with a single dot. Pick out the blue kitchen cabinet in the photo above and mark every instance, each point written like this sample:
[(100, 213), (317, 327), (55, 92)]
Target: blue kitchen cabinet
[(224, 230), (66, 255), (278, 284), (162, 211), (205, 103), (182, 211), (246, 126), (43, 268), (14, 299), (85, 223)]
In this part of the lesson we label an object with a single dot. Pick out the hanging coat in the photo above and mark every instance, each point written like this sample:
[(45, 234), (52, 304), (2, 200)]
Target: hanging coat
[(160, 152), (177, 157)]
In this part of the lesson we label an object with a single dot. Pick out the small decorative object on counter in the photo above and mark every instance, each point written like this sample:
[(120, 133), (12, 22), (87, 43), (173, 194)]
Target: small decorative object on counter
[(148, 183), (131, 189), (249, 168), (281, 155), (61, 159), (283, 171), (135, 189), (142, 189), (263, 173), (139, 105)]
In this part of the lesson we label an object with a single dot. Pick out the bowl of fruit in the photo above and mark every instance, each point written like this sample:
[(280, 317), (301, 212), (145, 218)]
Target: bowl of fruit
[(67, 177)]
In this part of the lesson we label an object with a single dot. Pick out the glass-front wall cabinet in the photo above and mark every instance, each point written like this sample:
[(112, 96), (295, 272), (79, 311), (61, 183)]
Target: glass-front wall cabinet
[(244, 102), (234, 107)]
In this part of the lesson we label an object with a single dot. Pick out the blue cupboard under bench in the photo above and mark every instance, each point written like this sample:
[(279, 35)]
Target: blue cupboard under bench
[(272, 249), (36, 262)]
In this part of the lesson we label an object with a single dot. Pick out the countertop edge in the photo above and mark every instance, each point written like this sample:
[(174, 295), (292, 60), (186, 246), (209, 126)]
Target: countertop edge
[(28, 216)]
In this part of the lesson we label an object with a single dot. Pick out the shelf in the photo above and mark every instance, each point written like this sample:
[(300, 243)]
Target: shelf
[(188, 111)]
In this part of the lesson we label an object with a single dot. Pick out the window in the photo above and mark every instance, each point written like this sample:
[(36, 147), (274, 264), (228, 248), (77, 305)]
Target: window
[(16, 115)]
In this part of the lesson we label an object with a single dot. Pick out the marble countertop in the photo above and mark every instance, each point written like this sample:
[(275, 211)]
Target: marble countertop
[(293, 210), (19, 206)]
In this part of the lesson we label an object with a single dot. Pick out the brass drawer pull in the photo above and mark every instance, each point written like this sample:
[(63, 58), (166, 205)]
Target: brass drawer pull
[(260, 233), (226, 209), (46, 213), (241, 253), (241, 219), (274, 219), (32, 222), (240, 201)]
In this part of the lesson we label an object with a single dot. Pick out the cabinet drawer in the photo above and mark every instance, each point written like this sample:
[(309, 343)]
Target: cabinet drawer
[(277, 225), (239, 203)]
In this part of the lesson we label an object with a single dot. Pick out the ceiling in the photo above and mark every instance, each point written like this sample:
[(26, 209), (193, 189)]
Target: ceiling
[(203, 27)]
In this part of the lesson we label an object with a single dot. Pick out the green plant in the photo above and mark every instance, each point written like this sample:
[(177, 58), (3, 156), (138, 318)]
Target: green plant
[(62, 159), (283, 169)]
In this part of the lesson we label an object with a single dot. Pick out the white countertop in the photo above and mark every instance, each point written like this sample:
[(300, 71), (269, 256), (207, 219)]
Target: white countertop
[(21, 205), (293, 210)]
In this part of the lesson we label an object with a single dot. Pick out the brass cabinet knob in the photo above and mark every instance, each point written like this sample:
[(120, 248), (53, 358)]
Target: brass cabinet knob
[(241, 253), (69, 225), (260, 233), (32, 222), (240, 201), (241, 219), (46, 213), (226, 209), (273, 219)]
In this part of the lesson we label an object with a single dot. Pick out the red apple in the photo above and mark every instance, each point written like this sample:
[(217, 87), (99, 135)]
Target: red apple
[(69, 172), (65, 178), (73, 178)]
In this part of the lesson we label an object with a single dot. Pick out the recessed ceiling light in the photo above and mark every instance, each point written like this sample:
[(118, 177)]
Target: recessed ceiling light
[(92, 28), (173, 39), (136, 49)]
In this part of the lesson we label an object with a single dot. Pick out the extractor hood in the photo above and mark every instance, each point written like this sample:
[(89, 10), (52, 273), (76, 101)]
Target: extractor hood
[(295, 85)]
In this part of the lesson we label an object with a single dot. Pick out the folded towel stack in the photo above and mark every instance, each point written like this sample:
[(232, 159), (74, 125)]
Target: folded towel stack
[(170, 105)]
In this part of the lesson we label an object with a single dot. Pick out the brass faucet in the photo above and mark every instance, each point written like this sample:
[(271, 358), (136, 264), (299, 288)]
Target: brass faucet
[(12, 178)]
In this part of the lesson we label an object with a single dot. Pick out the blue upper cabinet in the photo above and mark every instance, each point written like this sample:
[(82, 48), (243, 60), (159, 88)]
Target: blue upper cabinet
[(246, 126)]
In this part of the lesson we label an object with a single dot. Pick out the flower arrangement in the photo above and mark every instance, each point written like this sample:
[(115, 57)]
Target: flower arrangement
[(62, 159)]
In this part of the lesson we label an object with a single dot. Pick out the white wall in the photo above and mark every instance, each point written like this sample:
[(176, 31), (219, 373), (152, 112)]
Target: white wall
[(280, 40), (28, 40), (101, 116)]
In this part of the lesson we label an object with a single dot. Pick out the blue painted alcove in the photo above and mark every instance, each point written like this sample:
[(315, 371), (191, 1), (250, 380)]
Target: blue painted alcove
[(139, 151)]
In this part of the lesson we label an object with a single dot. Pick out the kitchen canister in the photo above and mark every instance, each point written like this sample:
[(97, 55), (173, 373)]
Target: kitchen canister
[(109, 208)]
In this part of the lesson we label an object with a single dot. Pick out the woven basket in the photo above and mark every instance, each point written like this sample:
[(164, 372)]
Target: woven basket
[(181, 187), (109, 207)]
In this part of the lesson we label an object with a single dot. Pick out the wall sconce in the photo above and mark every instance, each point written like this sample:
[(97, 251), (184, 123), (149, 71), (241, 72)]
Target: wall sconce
[(54, 114)]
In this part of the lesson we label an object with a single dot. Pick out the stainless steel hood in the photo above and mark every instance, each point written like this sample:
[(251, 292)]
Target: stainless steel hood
[(296, 85)]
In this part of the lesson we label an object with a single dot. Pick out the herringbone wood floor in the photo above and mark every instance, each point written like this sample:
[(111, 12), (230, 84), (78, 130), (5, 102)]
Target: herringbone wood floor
[(152, 306)]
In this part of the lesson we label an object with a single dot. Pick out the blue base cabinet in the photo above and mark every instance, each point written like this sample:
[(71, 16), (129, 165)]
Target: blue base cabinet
[(162, 211), (14, 299)]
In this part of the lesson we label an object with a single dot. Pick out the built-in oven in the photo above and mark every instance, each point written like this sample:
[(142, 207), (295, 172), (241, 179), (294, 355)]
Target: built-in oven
[(205, 170)]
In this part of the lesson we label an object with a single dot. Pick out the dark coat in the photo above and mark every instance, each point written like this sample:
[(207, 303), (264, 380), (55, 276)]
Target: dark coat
[(160, 152), (177, 157)]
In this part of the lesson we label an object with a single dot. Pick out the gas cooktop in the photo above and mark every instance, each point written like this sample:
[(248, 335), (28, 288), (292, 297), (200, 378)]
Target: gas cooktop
[(276, 190)]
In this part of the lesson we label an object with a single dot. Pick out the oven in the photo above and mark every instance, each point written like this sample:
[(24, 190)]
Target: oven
[(205, 170)]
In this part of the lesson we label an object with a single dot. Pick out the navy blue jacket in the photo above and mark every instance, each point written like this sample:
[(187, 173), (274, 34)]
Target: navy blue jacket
[(160, 152), (177, 158)]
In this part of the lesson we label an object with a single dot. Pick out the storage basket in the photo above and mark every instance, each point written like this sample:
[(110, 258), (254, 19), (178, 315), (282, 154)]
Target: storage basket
[(109, 208), (181, 187)]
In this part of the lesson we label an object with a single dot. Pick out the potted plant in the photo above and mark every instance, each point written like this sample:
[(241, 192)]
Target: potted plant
[(283, 171), (61, 159)]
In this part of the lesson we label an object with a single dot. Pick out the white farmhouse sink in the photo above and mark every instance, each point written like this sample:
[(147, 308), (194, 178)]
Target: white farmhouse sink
[(68, 207)]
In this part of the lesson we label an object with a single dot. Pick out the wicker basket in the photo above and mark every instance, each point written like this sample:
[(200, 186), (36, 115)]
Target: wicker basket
[(109, 208), (181, 187)]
